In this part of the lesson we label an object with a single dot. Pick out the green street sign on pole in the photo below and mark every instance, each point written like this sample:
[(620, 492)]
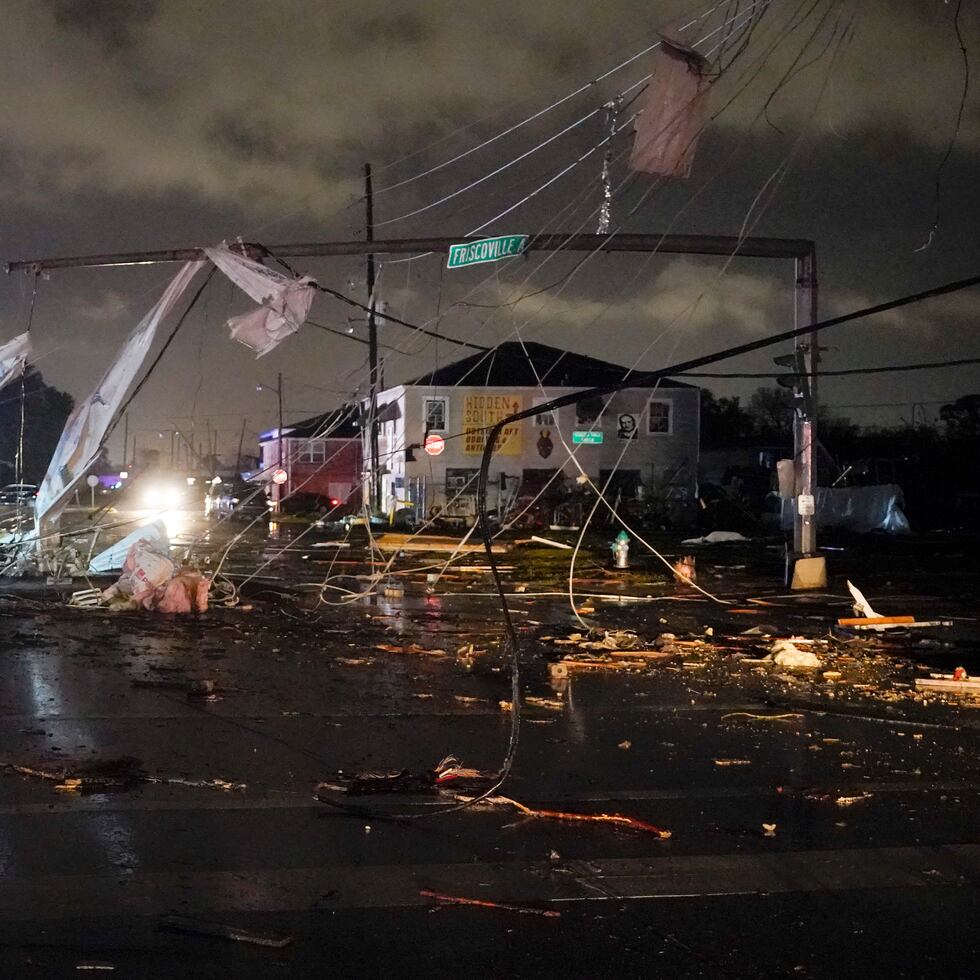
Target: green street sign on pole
[(589, 438), (486, 250)]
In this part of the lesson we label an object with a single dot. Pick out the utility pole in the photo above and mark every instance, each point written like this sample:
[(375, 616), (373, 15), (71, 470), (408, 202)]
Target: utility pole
[(241, 442), (805, 427), (812, 572), (372, 345)]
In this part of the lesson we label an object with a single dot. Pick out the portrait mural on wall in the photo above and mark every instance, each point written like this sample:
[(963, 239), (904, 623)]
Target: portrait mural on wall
[(627, 426)]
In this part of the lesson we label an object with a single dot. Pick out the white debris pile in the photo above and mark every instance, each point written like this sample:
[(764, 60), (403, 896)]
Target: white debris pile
[(789, 653), (717, 537)]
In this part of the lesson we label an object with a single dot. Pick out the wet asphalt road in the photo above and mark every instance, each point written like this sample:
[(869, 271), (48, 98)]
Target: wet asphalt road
[(886, 882)]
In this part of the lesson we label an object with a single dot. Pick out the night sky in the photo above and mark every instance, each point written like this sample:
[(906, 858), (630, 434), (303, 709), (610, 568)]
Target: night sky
[(131, 125)]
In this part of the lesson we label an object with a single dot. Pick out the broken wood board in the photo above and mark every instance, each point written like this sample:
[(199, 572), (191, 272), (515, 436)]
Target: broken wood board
[(431, 542), (969, 685), (601, 664), (873, 624), (872, 621), (645, 654), (548, 542)]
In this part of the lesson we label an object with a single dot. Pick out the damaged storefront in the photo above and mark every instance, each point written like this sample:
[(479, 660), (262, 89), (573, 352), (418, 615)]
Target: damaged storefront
[(432, 433)]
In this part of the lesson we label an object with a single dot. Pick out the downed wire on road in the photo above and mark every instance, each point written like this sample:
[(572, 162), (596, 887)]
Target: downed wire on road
[(486, 904), (614, 818)]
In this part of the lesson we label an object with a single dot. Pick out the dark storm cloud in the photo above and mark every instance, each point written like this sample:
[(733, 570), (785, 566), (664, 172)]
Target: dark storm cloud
[(211, 99), (113, 22), (127, 125)]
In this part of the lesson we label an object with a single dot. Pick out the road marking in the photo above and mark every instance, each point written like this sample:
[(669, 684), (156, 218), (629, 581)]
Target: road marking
[(488, 710), (207, 800), (397, 886)]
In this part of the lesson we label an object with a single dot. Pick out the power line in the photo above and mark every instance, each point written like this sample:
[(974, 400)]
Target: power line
[(956, 127), (924, 366), (541, 112), (647, 377), (371, 310), (546, 142), (394, 319)]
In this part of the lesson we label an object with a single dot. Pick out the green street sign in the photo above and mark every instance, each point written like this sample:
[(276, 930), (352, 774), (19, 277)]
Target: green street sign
[(589, 438), (486, 250)]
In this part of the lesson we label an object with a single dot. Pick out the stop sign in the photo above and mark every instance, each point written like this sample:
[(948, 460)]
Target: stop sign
[(279, 477), (434, 444)]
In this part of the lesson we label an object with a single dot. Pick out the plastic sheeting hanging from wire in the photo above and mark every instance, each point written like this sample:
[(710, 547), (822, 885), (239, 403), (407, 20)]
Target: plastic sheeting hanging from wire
[(668, 128), (82, 438), (858, 509), (13, 356), (284, 302)]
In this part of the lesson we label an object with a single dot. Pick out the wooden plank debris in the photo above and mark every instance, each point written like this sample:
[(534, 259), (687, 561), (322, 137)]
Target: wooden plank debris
[(430, 542), (871, 621)]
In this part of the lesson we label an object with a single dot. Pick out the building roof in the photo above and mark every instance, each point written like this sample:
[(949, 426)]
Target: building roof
[(516, 365), (338, 423)]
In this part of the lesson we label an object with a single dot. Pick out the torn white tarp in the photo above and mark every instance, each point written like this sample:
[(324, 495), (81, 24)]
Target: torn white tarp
[(284, 302), (113, 558), (860, 509), (87, 425), (717, 537), (13, 356)]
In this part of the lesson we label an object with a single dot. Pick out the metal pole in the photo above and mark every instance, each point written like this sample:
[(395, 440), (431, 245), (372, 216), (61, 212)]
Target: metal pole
[(372, 343), (723, 245), (805, 419), (125, 438), (279, 430), (19, 458)]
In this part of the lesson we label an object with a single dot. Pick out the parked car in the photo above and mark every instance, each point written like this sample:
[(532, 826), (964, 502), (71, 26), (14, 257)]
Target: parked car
[(317, 505), (235, 498), (18, 493)]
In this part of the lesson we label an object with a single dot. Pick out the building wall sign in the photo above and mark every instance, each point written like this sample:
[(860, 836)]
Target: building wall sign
[(482, 411)]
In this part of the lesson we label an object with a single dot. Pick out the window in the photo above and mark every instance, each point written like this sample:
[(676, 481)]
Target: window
[(544, 418), (435, 414), (460, 481), (588, 410), (660, 420), (312, 451)]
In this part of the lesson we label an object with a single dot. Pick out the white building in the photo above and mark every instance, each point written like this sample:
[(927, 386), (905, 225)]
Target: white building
[(648, 435)]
